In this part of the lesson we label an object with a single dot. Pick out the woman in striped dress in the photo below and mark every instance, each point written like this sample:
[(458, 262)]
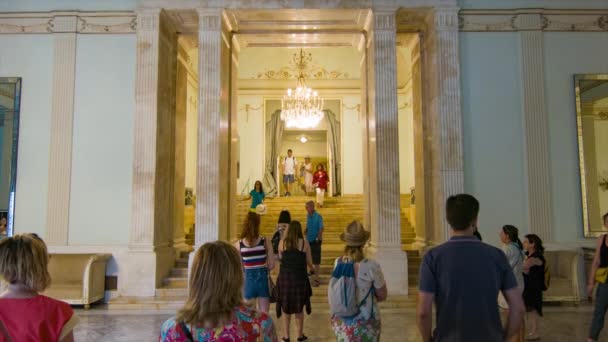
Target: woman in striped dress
[(258, 260)]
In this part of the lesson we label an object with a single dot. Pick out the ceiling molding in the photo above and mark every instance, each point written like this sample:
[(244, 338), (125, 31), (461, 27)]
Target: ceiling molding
[(533, 19), (87, 22)]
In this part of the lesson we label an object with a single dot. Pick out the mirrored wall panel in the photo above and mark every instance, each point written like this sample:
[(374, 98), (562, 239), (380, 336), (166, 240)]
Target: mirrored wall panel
[(10, 95), (592, 129)]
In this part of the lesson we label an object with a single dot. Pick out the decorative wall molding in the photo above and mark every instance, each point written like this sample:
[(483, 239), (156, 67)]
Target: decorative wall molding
[(315, 72), (68, 22), (533, 19)]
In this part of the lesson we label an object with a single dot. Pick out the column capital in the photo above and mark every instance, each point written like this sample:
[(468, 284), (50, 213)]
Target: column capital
[(530, 22), (148, 19), (64, 24), (384, 19), (444, 19), (210, 19)]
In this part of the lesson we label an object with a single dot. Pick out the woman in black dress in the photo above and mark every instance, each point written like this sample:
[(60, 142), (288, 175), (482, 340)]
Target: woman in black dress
[(534, 283), (293, 286)]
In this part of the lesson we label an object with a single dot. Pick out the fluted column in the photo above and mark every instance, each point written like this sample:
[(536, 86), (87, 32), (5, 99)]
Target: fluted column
[(146, 125), (152, 205), (62, 115), (383, 151), (535, 125), (443, 80), (212, 174)]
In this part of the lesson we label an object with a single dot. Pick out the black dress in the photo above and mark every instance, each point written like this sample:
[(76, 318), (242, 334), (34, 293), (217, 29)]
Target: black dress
[(293, 286), (534, 282)]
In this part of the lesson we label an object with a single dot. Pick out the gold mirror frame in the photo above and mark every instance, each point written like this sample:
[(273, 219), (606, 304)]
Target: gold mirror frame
[(584, 173)]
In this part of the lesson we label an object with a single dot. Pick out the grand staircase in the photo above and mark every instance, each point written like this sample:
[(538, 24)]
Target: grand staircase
[(337, 213)]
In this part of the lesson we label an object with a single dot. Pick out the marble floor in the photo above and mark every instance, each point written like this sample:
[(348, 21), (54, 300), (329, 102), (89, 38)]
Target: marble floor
[(567, 324)]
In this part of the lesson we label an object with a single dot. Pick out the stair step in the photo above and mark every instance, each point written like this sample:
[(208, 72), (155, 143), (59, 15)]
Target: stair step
[(181, 272), (176, 282)]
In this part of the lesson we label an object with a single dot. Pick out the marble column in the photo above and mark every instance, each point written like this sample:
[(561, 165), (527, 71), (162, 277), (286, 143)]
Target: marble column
[(422, 174), (445, 113), (62, 115), (384, 153), (536, 128), (150, 252), (181, 103), (213, 125)]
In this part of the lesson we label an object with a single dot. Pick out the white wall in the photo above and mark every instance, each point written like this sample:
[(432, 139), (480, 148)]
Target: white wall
[(567, 54), (251, 141), (102, 152), (191, 133), (493, 130), (31, 57), (352, 142)]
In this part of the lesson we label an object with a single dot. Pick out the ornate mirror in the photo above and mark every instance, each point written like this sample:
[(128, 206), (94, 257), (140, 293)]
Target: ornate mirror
[(592, 130), (10, 95)]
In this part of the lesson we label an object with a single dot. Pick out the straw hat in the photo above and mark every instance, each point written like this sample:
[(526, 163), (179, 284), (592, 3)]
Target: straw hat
[(355, 235), (261, 209)]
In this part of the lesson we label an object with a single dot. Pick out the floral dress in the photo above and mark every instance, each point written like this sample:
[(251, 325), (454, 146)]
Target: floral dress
[(247, 325), (365, 327)]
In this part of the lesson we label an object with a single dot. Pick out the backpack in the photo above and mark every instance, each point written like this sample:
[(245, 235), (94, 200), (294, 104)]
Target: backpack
[(547, 277), (342, 290)]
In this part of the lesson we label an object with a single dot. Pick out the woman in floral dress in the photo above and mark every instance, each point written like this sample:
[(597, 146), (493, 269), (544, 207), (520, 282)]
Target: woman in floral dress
[(365, 327), (214, 310)]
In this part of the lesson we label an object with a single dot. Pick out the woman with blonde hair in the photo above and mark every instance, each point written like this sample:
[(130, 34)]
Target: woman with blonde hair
[(258, 260), (371, 289), (25, 315), (214, 310), (293, 286)]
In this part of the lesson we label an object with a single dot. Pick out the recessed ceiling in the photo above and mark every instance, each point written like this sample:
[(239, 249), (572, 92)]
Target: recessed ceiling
[(311, 135)]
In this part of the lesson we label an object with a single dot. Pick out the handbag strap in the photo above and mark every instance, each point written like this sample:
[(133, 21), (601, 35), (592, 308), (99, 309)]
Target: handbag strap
[(186, 331)]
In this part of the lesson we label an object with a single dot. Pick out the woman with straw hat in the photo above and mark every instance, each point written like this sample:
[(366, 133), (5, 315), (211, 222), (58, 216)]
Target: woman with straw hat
[(365, 326)]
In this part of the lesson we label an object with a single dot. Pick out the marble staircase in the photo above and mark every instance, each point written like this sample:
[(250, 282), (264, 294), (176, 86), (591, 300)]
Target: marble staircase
[(337, 213)]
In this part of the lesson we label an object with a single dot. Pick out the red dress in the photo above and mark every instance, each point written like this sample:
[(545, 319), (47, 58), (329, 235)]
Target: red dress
[(320, 178), (34, 319)]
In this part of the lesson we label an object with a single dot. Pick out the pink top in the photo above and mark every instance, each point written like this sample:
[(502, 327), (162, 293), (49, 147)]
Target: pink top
[(38, 318)]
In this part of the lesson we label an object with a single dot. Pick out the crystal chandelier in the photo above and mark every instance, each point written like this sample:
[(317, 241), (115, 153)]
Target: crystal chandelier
[(302, 107)]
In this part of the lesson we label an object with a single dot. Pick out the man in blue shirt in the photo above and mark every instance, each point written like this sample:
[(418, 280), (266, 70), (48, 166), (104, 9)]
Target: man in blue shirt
[(463, 277), (314, 236)]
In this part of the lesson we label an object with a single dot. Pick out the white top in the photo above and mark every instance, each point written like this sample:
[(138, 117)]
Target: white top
[(369, 274), (516, 259), (289, 165)]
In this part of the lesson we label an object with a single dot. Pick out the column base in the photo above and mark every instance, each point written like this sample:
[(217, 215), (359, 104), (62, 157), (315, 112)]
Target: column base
[(141, 274), (394, 266), (146, 270)]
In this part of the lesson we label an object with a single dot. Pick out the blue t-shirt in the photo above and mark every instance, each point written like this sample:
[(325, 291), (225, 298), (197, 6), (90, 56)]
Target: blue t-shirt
[(314, 223), (256, 198), (465, 275)]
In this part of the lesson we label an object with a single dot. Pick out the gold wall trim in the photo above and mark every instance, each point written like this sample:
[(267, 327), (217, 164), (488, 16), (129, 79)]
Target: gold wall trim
[(517, 20), (50, 22)]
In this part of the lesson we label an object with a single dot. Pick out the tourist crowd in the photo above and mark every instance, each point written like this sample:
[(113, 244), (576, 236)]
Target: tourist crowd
[(469, 283)]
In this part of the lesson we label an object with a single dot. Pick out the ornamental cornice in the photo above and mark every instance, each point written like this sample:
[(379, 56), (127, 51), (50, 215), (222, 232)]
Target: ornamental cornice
[(533, 20), (68, 22)]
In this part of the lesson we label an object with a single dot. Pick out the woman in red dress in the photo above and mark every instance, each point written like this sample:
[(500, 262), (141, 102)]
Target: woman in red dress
[(26, 315), (320, 180)]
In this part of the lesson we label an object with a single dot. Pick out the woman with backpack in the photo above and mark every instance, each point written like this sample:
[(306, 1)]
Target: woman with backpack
[(534, 283), (364, 323), (293, 286), (258, 260)]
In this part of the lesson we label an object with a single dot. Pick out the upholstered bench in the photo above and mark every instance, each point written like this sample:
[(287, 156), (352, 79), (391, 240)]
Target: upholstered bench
[(78, 279), (566, 267)]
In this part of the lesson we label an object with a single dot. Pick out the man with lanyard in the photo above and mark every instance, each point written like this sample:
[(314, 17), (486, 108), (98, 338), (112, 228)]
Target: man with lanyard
[(289, 171), (314, 236)]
